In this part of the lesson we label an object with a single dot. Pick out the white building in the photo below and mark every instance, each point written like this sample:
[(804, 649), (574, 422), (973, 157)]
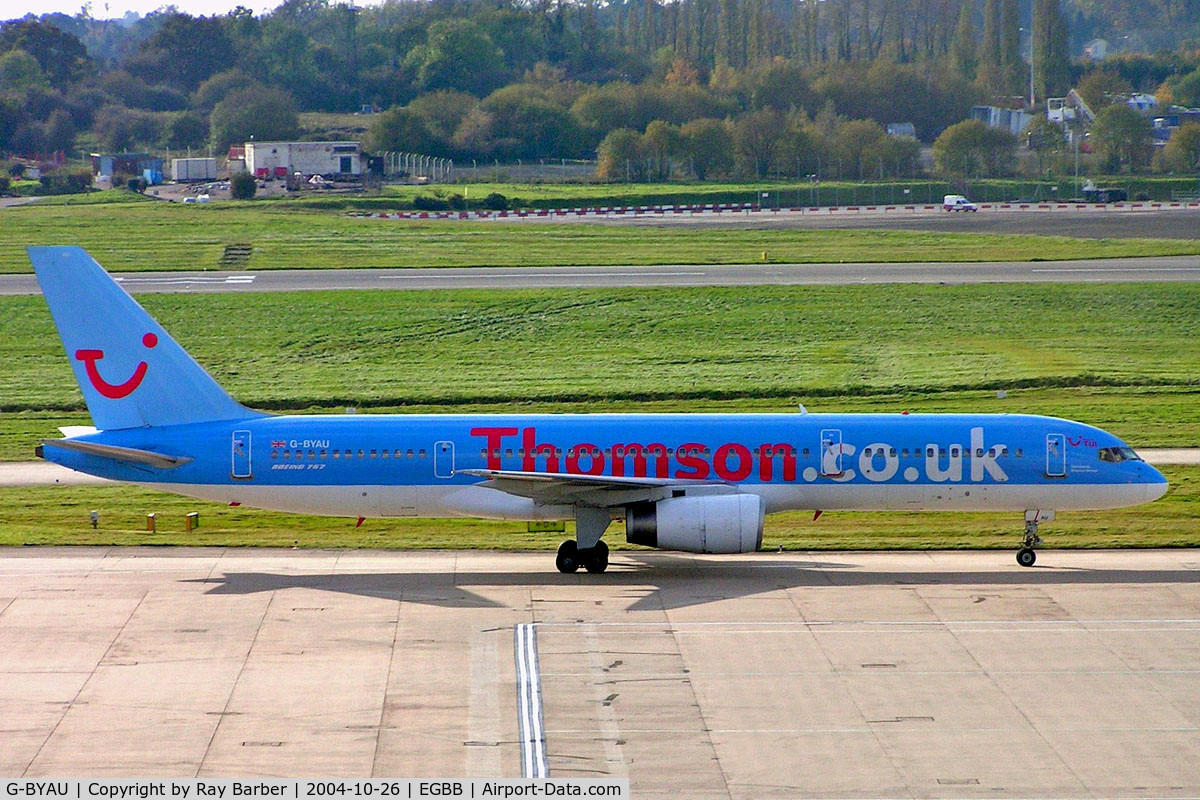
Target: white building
[(280, 159)]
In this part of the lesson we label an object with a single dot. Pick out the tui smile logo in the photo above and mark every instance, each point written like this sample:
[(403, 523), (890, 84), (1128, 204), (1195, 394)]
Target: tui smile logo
[(114, 391)]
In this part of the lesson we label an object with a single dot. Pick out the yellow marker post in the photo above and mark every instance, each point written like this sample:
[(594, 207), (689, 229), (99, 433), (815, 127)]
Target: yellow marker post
[(152, 522), (191, 521)]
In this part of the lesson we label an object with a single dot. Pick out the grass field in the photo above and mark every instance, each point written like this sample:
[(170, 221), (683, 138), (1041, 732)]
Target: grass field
[(150, 235), (59, 516), (1124, 357)]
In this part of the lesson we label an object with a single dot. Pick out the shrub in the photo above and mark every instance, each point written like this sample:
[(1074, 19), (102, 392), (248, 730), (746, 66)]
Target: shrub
[(496, 202), (136, 185), (242, 186), (456, 202), (426, 203)]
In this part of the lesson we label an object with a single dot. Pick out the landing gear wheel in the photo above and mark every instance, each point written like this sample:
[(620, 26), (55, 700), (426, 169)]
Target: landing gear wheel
[(1026, 557), (596, 559), (567, 559)]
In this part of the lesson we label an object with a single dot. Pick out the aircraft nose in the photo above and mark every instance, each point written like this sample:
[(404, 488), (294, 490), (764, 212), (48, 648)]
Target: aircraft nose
[(1155, 482)]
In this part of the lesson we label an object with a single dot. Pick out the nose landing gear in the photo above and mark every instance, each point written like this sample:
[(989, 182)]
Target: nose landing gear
[(1026, 556)]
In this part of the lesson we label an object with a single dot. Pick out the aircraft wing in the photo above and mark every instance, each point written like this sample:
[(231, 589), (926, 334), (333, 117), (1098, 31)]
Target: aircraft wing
[(554, 488)]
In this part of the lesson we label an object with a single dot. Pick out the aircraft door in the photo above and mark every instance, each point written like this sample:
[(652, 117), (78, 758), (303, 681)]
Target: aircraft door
[(831, 452), (1056, 455), (443, 459), (241, 455)]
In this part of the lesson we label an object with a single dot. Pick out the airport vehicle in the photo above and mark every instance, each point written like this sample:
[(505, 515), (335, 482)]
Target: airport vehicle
[(692, 482), (956, 202)]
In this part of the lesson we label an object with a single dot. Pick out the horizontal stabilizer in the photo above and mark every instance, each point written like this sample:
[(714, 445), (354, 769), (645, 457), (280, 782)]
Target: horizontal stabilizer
[(129, 454)]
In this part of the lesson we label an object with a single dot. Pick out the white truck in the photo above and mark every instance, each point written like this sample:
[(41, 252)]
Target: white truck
[(956, 202)]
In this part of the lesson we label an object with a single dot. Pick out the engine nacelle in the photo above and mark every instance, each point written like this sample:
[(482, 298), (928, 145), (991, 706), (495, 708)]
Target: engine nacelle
[(722, 523)]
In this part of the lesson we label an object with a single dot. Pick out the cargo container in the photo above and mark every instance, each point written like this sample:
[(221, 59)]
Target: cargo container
[(194, 169)]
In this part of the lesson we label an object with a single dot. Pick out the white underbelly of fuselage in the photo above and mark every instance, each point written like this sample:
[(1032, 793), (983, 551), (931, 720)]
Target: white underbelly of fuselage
[(439, 500)]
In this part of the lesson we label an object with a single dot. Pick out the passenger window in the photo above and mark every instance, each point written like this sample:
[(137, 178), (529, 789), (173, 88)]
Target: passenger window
[(361, 454), (1019, 454), (274, 454), (806, 452), (929, 452), (420, 453), (374, 454), (508, 453), (383, 453), (287, 454), (408, 453), (979, 452), (904, 453), (312, 455), (337, 453), (349, 454)]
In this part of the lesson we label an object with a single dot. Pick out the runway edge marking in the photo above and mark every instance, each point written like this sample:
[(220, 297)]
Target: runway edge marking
[(530, 722)]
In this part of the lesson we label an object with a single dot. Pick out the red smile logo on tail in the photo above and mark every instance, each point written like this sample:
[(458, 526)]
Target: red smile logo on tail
[(118, 390)]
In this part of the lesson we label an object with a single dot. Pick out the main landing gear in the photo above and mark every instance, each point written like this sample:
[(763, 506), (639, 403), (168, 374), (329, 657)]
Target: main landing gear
[(1026, 556), (571, 557), (586, 550)]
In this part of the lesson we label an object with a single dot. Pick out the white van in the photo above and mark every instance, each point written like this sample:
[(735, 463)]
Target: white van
[(956, 202)]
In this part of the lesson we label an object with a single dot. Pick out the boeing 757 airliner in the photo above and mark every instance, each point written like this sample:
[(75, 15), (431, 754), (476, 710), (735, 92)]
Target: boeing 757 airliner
[(700, 483)]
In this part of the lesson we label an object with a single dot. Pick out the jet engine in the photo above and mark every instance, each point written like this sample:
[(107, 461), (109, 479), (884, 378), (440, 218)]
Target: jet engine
[(723, 523)]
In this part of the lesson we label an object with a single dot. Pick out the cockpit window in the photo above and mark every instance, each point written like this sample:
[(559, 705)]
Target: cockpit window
[(1116, 455)]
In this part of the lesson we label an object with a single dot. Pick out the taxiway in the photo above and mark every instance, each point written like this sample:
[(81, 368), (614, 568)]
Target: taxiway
[(762, 676)]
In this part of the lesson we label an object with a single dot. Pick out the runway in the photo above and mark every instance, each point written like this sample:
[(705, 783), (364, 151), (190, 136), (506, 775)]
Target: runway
[(1116, 270), (762, 676)]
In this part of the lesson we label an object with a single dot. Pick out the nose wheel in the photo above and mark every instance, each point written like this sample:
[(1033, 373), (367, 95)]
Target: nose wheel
[(571, 557), (1026, 556)]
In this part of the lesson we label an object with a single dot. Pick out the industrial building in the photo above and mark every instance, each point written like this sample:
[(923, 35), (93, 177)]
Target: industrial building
[(280, 159)]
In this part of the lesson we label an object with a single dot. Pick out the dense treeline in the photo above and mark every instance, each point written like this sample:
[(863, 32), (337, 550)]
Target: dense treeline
[(500, 79)]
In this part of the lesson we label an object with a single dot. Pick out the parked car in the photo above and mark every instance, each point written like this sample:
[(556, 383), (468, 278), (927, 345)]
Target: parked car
[(956, 202)]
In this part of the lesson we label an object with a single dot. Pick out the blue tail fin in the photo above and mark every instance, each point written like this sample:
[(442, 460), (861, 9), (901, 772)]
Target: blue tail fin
[(131, 371)]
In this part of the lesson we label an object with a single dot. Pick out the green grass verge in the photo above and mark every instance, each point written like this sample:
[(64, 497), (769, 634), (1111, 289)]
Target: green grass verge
[(59, 516), (1122, 356), (148, 235)]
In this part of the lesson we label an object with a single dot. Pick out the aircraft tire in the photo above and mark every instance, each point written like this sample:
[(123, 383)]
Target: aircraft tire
[(1026, 557), (567, 559), (596, 561)]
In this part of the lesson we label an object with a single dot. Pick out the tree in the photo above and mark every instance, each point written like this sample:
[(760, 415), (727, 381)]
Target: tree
[(216, 88), (1123, 137), (185, 129), (660, 143), (18, 72), (1182, 152), (457, 54), (707, 146), (619, 157), (963, 50), (1046, 139), (243, 186), (1051, 57), (988, 69), (1186, 90), (61, 56), (257, 113), (120, 129), (398, 130), (755, 141), (184, 52), (1014, 72), (971, 149), (1100, 88)]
